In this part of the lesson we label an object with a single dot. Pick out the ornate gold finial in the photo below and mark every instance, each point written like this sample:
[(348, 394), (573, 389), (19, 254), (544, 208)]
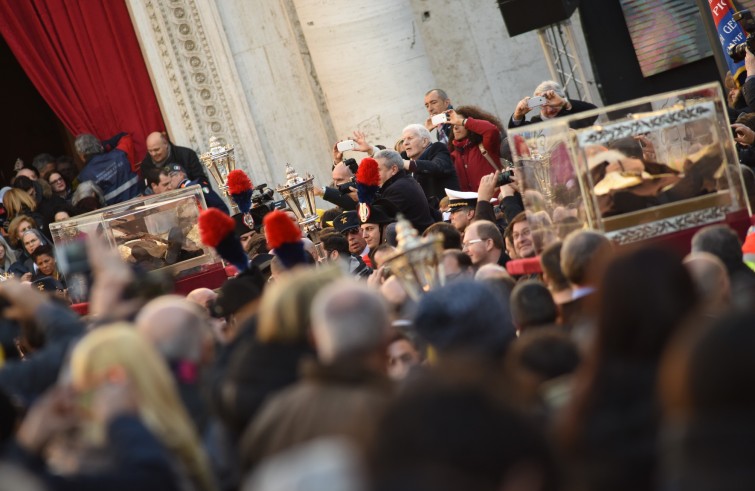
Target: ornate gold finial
[(292, 177), (406, 236)]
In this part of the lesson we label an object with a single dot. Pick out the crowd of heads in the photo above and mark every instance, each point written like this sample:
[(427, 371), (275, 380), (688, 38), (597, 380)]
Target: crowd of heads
[(320, 365)]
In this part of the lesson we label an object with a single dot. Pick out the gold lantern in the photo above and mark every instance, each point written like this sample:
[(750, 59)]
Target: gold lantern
[(220, 161), (418, 262), (299, 193)]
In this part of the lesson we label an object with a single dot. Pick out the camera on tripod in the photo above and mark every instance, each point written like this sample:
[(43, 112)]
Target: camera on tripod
[(738, 51)]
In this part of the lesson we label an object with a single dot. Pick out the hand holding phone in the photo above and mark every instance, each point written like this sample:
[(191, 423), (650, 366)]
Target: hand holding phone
[(439, 119), (346, 145), (536, 101)]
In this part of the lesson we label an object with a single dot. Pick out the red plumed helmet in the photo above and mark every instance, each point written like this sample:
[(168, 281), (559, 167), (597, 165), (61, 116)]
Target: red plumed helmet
[(280, 229), (214, 226), (238, 182), (367, 173)]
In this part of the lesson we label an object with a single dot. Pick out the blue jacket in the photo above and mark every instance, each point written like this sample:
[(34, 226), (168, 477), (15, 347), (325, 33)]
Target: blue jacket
[(211, 198), (112, 172)]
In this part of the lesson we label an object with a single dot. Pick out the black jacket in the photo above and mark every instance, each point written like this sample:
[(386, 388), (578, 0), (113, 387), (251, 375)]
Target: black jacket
[(435, 171), (185, 157), (576, 107), (333, 195), (749, 92), (406, 194), (256, 371)]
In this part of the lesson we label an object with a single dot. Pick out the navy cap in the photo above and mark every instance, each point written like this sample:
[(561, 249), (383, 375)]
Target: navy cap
[(346, 221)]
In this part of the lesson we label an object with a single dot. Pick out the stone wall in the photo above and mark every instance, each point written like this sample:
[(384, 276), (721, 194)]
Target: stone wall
[(283, 79)]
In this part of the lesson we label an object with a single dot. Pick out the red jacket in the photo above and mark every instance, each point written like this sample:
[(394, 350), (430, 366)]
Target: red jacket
[(470, 164)]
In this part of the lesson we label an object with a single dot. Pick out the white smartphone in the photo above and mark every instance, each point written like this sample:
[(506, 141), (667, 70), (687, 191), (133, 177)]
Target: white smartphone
[(536, 101), (346, 145), (439, 119)]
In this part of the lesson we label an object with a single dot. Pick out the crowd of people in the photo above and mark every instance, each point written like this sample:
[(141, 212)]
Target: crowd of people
[(314, 366)]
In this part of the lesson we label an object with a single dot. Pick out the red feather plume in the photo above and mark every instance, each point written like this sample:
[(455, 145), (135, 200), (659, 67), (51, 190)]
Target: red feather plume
[(367, 173), (214, 226), (238, 182), (279, 229)]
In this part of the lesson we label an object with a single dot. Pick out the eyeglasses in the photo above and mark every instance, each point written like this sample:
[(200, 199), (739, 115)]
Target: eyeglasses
[(524, 233), (55, 181), (466, 245)]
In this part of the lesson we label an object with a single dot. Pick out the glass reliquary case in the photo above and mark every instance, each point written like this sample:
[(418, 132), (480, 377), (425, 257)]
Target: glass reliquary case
[(157, 232), (637, 170)]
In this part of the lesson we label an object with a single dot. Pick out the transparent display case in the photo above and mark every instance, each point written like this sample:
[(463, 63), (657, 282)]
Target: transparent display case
[(635, 171), (157, 232)]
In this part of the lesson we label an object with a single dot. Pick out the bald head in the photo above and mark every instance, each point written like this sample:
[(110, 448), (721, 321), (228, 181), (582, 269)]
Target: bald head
[(202, 297), (157, 147), (492, 272), (341, 173), (175, 326)]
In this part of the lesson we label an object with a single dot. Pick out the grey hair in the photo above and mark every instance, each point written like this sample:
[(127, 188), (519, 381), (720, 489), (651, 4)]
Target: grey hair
[(41, 160), (88, 145), (418, 130), (38, 234), (441, 93), (85, 190), (390, 158), (10, 255), (550, 85), (349, 319), (175, 326)]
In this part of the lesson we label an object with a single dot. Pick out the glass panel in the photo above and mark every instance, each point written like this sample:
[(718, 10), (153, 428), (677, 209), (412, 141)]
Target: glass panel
[(634, 170), (144, 229)]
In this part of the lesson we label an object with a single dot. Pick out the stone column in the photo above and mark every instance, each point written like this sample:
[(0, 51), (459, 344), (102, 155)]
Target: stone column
[(195, 78), (371, 63)]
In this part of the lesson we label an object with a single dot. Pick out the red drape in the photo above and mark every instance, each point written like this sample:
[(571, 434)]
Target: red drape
[(84, 59)]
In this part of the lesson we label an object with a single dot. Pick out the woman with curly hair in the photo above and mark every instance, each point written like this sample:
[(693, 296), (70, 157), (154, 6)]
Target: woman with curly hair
[(476, 144)]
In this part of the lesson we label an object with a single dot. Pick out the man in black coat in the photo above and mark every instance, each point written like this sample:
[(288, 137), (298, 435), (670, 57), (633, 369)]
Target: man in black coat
[(556, 105), (161, 152), (430, 162), (402, 190)]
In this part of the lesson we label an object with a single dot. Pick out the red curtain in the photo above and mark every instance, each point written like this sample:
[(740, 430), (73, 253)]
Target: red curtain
[(84, 59)]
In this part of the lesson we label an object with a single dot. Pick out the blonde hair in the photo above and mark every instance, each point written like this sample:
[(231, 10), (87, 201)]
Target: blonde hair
[(160, 407), (15, 200), (13, 228), (284, 310)]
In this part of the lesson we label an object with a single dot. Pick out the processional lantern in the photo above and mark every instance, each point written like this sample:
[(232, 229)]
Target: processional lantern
[(299, 193), (220, 160), (418, 263)]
